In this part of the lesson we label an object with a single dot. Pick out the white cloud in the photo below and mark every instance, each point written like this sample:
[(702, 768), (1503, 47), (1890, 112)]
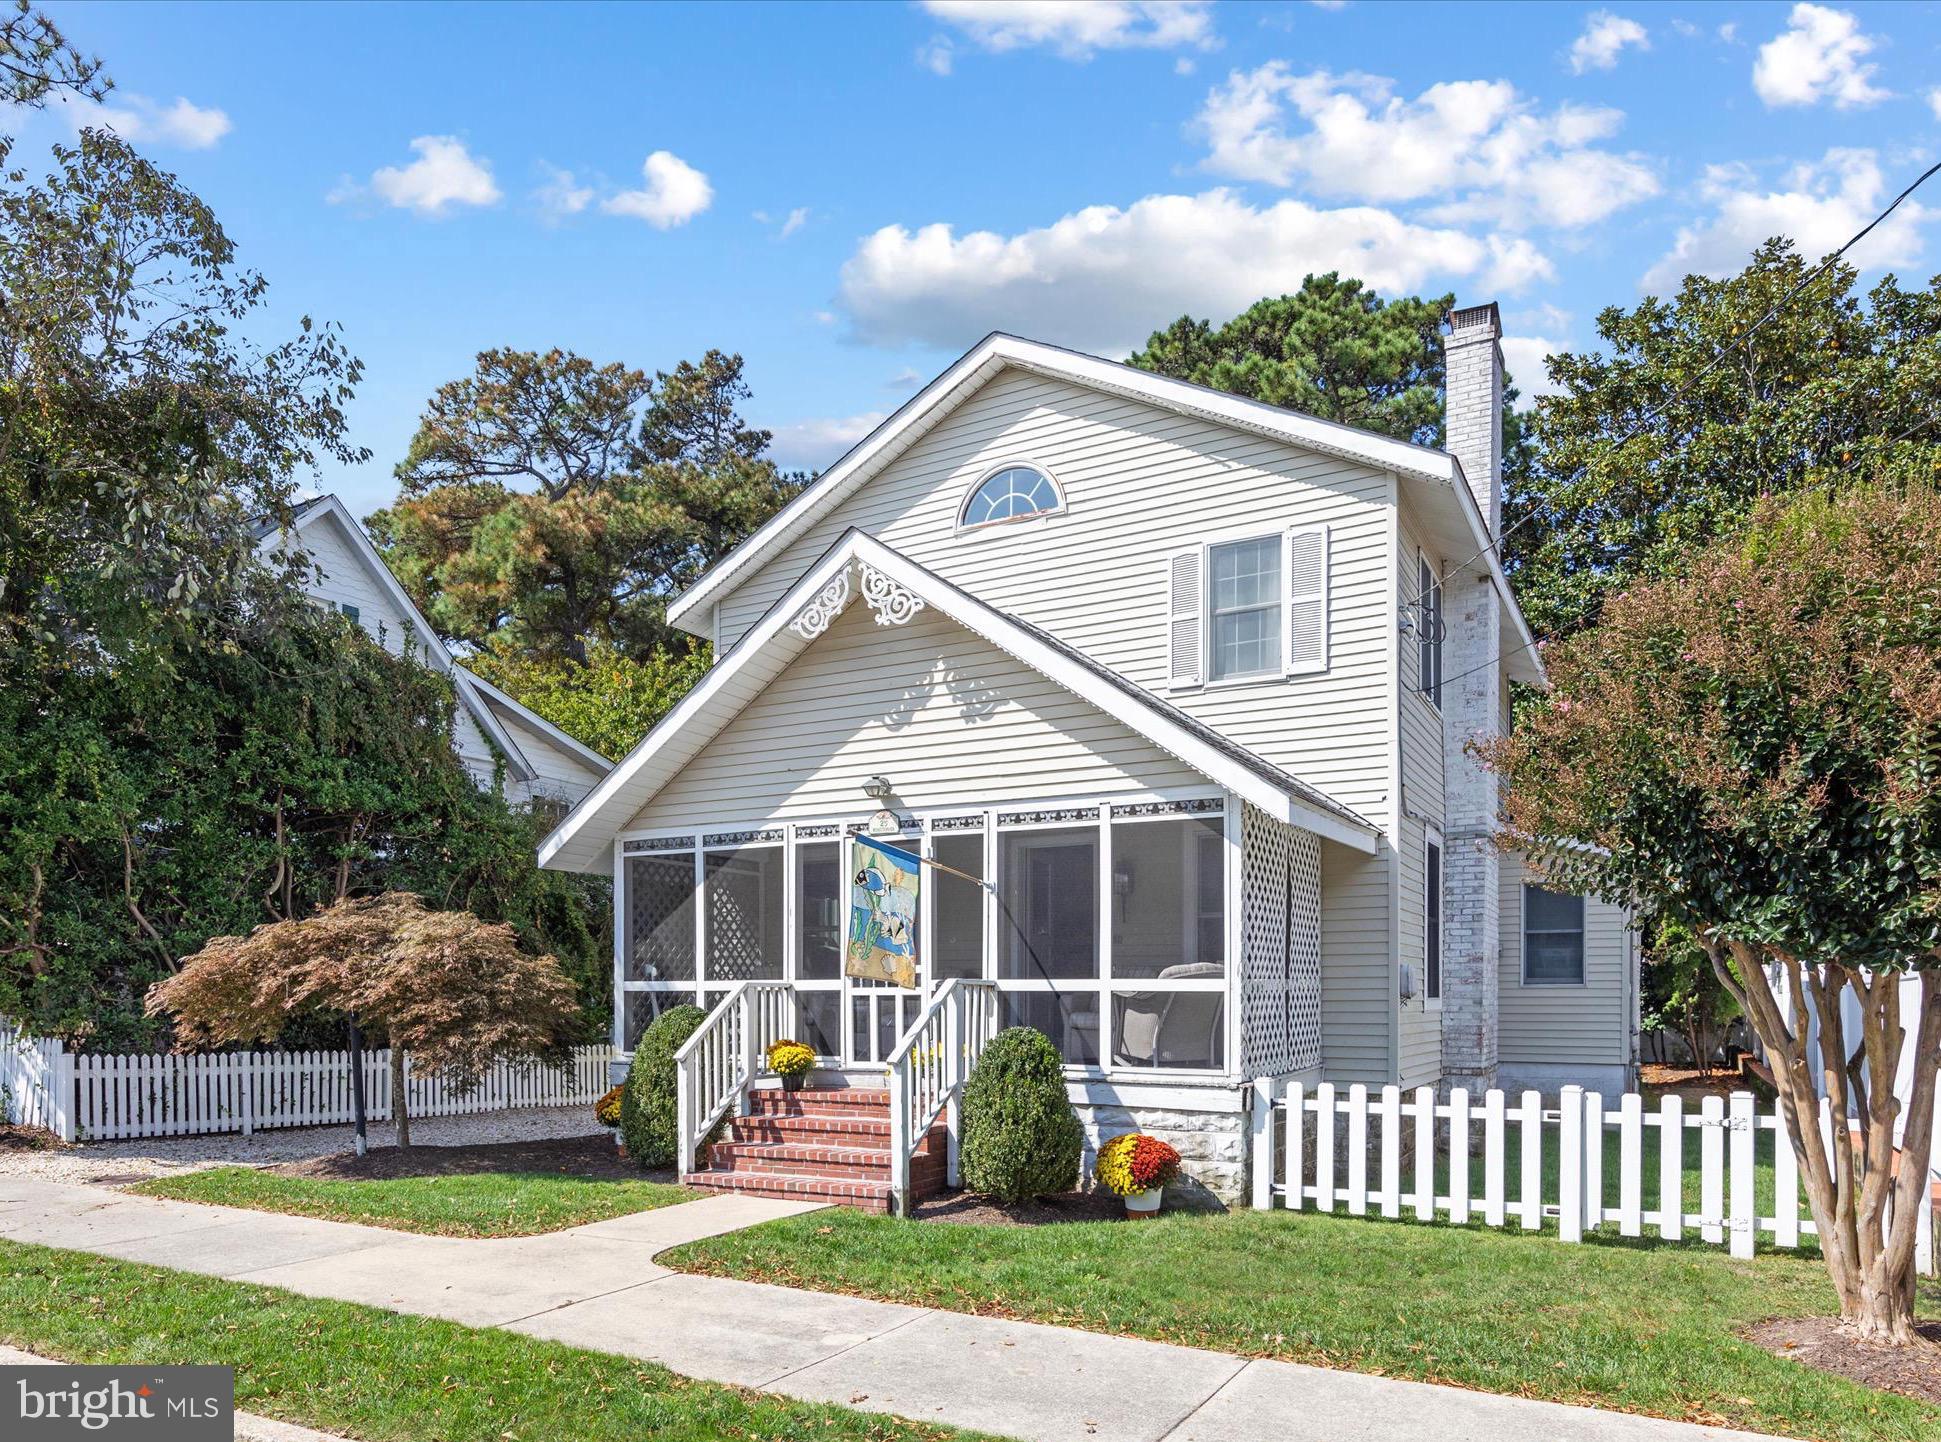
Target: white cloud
[(445, 174), (562, 195), (813, 444), (136, 118), (795, 220), (936, 56), (1077, 28), (1729, 32), (1604, 39), (1818, 206), (674, 194), (1818, 56), (1934, 101), (1103, 278), (1474, 145), (1523, 358)]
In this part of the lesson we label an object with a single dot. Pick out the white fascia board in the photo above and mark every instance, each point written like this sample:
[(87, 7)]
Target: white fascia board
[(571, 848), (434, 649), (528, 717), (944, 393)]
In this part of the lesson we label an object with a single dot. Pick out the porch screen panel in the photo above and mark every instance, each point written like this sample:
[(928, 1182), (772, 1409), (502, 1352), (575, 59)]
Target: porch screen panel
[(745, 907), (957, 949), (821, 897), (1280, 976), (660, 917), (1168, 903), (1050, 895)]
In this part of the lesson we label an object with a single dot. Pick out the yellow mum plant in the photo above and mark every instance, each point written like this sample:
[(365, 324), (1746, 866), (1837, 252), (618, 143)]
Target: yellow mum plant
[(788, 1058), (606, 1111)]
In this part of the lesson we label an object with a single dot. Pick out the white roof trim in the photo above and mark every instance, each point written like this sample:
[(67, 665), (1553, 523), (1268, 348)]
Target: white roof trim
[(434, 648), (986, 358), (572, 846), (529, 717)]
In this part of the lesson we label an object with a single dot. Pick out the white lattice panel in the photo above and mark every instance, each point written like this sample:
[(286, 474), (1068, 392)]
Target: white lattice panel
[(1280, 947)]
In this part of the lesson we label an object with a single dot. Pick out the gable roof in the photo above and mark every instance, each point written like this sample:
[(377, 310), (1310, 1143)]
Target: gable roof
[(583, 840), (472, 691), (1436, 476)]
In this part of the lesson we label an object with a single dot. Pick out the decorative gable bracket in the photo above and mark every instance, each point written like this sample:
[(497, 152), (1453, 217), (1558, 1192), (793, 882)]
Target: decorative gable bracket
[(893, 603)]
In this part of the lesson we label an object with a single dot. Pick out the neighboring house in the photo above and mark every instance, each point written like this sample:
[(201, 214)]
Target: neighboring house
[(544, 767), (1190, 679)]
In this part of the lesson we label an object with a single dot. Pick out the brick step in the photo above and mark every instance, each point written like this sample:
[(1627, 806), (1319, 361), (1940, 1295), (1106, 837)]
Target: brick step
[(865, 1196), (820, 1101), (813, 1131), (808, 1160)]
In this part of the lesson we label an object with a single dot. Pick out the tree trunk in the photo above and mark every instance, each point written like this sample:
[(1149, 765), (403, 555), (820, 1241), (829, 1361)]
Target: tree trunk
[(400, 1116), (1867, 1214)]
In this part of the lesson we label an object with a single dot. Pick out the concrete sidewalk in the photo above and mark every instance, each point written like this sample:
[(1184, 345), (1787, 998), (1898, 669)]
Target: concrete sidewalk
[(599, 1287)]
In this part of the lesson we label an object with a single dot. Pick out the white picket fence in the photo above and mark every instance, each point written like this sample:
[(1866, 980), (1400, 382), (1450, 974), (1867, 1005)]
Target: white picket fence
[(1359, 1152), (119, 1097)]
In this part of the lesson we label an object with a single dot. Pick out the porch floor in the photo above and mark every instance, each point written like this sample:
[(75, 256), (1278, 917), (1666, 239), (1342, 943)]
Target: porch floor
[(819, 1144)]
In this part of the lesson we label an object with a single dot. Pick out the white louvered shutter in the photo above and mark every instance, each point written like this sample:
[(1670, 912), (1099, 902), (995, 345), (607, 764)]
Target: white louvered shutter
[(1307, 600), (1184, 629)]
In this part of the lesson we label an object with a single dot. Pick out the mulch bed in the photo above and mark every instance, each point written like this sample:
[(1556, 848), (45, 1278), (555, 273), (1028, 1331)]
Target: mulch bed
[(594, 1157), (26, 1139), (1046, 1211), (1820, 1343)]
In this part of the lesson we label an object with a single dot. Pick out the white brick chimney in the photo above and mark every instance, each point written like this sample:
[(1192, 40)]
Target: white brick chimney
[(1472, 709)]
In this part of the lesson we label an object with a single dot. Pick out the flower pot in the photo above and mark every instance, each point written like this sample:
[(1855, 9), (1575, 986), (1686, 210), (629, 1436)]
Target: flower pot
[(1144, 1206), (793, 1083)]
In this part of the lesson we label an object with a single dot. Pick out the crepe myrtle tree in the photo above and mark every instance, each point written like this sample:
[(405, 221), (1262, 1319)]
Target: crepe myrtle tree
[(1752, 750), (454, 991)]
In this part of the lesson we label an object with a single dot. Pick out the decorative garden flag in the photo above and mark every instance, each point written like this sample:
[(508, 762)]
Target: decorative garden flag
[(882, 912)]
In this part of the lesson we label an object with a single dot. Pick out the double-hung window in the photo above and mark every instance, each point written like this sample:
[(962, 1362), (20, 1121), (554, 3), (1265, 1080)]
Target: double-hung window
[(1432, 919), (1246, 607), (1553, 938), (1428, 612)]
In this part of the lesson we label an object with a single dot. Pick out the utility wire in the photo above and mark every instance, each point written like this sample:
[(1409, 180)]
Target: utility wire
[(1539, 641), (1662, 406)]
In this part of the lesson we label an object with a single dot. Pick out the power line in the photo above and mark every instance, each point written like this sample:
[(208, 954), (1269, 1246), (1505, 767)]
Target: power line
[(1662, 406)]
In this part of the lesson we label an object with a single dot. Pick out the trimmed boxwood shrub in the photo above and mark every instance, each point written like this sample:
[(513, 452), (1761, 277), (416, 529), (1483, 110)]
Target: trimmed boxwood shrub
[(647, 1104), (1021, 1137)]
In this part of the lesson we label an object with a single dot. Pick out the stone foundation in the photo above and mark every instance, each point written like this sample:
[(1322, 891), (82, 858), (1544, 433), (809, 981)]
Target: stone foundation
[(1212, 1146)]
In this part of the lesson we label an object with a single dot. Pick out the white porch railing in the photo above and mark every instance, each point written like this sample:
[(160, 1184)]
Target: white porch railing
[(715, 1065), (1583, 1163), (928, 1069)]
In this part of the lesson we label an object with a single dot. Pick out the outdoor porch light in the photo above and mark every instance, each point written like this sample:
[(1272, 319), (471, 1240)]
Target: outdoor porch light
[(877, 788)]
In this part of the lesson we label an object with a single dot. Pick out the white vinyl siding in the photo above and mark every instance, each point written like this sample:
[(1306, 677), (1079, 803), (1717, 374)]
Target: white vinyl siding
[(948, 718), (1357, 966), (1559, 1025), (1141, 483)]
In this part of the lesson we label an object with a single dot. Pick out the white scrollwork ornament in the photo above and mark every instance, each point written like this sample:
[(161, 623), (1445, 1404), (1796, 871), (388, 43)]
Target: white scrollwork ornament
[(821, 612), (893, 604)]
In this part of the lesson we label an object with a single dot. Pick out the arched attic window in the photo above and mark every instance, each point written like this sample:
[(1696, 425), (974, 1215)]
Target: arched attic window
[(1012, 493)]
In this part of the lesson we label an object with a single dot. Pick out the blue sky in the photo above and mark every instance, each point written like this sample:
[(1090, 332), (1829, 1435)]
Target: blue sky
[(851, 195)]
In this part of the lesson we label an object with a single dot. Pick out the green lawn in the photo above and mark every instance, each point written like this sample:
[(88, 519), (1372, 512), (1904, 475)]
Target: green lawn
[(1641, 1326), (384, 1377), (474, 1204)]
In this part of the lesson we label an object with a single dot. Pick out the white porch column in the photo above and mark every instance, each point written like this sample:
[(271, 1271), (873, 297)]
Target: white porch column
[(1472, 710)]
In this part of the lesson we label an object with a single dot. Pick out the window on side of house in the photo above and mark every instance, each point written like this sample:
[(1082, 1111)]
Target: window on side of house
[(1432, 919), (1429, 612), (1553, 938), (1244, 591)]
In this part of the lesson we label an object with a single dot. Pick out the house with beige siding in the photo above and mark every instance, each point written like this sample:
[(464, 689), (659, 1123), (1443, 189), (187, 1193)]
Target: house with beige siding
[(1167, 696), (501, 742)]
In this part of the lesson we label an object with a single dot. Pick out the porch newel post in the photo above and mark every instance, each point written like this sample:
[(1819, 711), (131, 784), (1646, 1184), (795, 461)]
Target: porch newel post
[(954, 1082), (684, 1140)]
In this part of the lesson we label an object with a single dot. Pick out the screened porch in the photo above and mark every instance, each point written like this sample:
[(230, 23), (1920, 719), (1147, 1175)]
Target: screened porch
[(1137, 935)]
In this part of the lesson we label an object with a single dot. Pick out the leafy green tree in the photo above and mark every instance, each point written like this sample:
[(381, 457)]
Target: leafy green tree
[(37, 61), (1748, 750), (608, 703), (1836, 385), (1682, 993)]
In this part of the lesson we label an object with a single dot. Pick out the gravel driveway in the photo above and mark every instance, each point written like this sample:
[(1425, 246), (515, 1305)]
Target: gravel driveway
[(162, 1156)]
